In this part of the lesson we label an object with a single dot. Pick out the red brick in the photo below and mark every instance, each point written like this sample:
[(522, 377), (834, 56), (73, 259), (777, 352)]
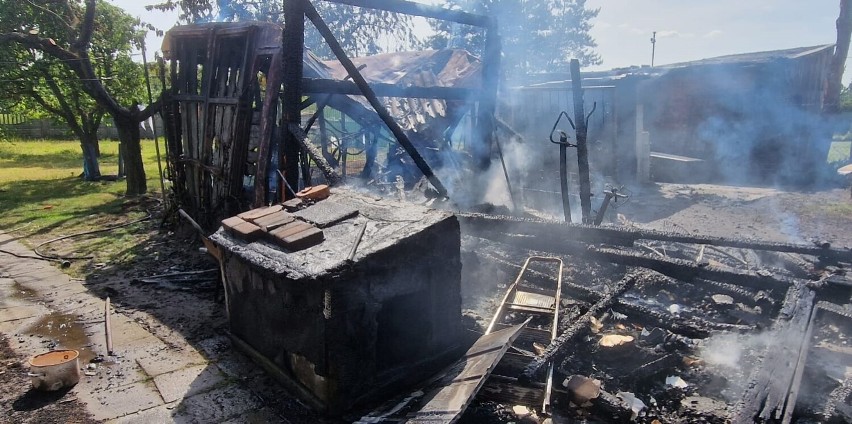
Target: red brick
[(271, 222), (304, 239), (247, 231), (317, 192), (291, 228), (232, 222), (259, 212)]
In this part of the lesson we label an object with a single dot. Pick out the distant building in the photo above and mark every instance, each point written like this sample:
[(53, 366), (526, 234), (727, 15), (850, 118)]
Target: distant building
[(741, 118)]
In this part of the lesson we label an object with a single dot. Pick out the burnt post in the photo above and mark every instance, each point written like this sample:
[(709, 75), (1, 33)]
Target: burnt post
[(486, 111), (269, 110), (293, 46), (582, 147)]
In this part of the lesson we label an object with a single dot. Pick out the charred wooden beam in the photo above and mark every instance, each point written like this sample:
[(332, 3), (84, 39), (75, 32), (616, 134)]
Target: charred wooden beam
[(842, 392), (837, 397), (561, 343), (556, 230), (368, 93), (327, 170), (611, 405), (582, 147), (663, 363), (487, 108), (769, 386), (680, 269), (418, 9), (801, 360), (693, 327), (292, 52), (313, 85), (267, 124)]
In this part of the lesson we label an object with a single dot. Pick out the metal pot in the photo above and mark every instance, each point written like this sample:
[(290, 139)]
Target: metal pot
[(55, 370)]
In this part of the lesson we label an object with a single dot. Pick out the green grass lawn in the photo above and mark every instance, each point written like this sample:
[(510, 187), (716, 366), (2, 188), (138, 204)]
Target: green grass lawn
[(43, 197), (839, 152)]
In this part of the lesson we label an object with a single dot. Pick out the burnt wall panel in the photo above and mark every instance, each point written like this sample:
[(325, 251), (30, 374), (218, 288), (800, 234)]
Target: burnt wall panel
[(348, 331)]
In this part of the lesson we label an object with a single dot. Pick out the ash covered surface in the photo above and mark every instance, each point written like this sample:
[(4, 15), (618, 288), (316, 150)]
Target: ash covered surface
[(693, 346), (387, 221)]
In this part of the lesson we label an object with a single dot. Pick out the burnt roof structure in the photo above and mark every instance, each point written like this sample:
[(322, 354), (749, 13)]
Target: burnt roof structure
[(227, 143)]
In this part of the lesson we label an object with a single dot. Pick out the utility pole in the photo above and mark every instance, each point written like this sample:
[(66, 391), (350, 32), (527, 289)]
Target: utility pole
[(653, 47)]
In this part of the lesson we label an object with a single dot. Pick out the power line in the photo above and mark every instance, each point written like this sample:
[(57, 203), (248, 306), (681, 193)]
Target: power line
[(15, 62), (61, 79)]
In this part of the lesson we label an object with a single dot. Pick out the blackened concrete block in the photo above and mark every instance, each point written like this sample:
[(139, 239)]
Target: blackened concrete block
[(346, 332)]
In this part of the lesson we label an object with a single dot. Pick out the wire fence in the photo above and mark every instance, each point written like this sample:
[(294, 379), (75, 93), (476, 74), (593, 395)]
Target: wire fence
[(23, 127)]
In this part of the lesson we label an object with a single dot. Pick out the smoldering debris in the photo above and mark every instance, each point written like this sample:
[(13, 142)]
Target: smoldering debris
[(689, 349)]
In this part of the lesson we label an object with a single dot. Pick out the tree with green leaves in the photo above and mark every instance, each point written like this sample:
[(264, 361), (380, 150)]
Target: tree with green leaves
[(69, 37), (360, 31), (536, 35)]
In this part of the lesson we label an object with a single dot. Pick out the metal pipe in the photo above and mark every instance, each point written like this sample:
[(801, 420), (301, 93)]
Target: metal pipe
[(153, 123)]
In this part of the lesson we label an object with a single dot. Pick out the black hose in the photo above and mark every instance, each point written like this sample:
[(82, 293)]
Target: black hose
[(102, 230)]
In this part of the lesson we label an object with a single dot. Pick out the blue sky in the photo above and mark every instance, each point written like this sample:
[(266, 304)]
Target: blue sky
[(686, 29)]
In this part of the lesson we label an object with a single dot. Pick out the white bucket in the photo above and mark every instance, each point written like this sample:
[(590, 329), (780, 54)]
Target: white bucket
[(55, 370)]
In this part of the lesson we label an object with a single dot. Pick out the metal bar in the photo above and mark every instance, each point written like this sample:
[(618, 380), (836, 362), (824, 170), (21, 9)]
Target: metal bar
[(351, 256), (367, 92), (418, 9), (563, 182), (154, 126), (107, 327)]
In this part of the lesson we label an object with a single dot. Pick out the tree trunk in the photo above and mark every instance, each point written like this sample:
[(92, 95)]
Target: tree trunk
[(831, 102), (131, 152), (91, 151)]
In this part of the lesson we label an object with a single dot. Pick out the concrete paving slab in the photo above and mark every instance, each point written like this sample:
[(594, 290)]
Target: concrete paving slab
[(86, 306), (21, 312), (219, 405), (230, 361), (120, 401), (7, 301), (149, 371), (65, 291), (17, 327), (188, 382), (168, 413), (157, 362), (114, 375)]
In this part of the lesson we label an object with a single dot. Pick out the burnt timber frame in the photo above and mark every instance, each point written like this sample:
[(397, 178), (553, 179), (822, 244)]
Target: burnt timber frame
[(294, 86)]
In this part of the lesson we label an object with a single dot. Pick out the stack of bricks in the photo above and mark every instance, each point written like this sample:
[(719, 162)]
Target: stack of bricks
[(275, 225)]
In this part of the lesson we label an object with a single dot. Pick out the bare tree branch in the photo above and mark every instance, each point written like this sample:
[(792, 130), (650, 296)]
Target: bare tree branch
[(78, 62), (60, 18), (87, 28)]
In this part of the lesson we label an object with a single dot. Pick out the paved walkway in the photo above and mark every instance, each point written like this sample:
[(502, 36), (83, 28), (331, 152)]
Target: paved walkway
[(152, 381)]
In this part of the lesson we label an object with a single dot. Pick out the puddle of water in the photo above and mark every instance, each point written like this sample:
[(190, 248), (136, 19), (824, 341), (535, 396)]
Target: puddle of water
[(66, 332)]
